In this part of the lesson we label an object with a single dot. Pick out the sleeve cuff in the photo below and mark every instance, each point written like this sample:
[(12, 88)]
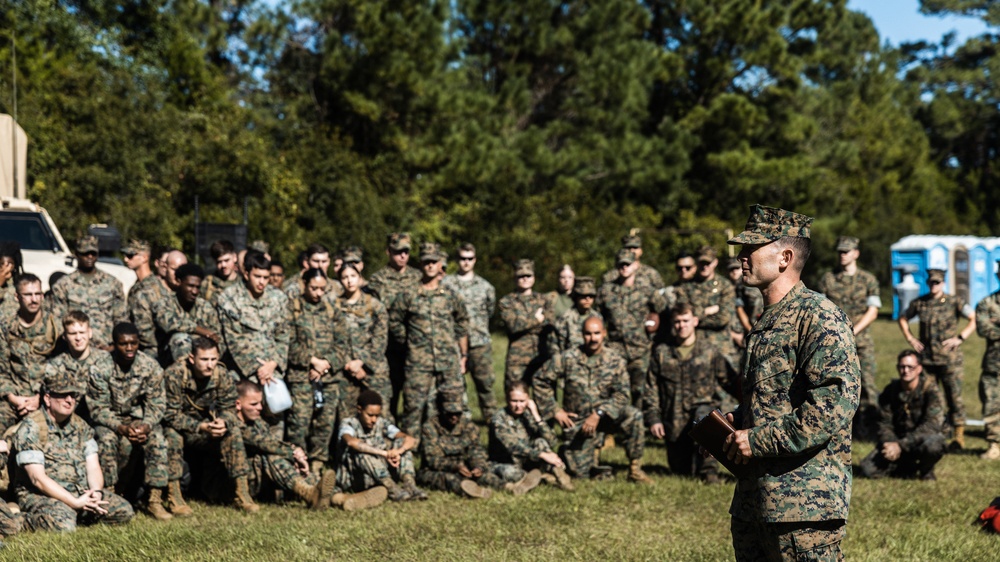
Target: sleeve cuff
[(31, 457)]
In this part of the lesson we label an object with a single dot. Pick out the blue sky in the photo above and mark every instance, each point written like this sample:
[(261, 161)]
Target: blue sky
[(899, 21)]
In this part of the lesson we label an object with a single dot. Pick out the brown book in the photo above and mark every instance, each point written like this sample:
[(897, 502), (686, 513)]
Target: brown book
[(710, 432)]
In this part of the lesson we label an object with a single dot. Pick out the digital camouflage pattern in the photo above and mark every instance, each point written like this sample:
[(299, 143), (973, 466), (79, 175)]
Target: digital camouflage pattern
[(526, 349), (387, 283), (938, 322), (713, 328), (519, 440), (255, 329), (191, 401), (358, 472), (27, 350), (175, 327), (915, 420), (444, 450), (62, 450), (362, 333), (212, 287), (269, 458), (98, 295), (624, 310), (313, 327), (141, 299), (647, 278), (568, 330), (801, 389), (988, 327), (116, 397), (811, 540), (752, 301), (293, 287), (77, 369), (767, 224), (8, 300), (480, 298)]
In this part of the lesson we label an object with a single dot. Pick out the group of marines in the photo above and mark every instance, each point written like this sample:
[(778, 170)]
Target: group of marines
[(107, 399)]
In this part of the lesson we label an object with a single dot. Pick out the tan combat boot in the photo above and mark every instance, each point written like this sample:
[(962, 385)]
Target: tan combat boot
[(958, 442), (475, 491), (992, 453), (243, 500), (563, 481), (635, 473), (529, 482), (316, 467), (410, 485), (175, 501), (155, 506), (373, 497), (394, 491), (306, 492)]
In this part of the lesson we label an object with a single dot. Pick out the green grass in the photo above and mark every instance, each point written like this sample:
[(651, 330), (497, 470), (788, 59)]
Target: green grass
[(678, 519)]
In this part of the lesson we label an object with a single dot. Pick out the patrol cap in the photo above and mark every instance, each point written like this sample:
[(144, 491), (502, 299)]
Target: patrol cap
[(63, 382), (524, 266), (847, 243), (767, 224), (260, 246), (584, 287), (733, 263), (86, 244), (935, 275), (451, 404), (706, 254), (632, 239), (135, 246), (352, 254), (429, 251), (399, 241), (625, 257)]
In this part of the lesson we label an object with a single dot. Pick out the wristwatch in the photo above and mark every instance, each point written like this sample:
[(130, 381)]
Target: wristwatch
[(600, 413)]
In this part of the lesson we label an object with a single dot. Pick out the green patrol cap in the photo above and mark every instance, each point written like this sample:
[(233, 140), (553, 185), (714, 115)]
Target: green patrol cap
[(63, 382), (86, 244), (767, 224), (451, 404), (352, 254), (584, 287), (632, 239), (935, 275), (625, 257), (847, 243), (706, 254), (135, 246), (260, 246), (524, 267), (399, 241), (429, 251)]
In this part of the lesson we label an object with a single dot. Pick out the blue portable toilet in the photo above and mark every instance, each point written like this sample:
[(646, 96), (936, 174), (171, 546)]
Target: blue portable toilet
[(968, 262), (991, 268), (979, 273)]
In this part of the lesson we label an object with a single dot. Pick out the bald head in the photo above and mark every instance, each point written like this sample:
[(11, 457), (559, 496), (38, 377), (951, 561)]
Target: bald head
[(175, 259), (593, 335)]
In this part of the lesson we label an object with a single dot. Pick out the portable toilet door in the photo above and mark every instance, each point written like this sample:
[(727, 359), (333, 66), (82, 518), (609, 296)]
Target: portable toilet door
[(908, 266), (979, 274), (960, 269), (991, 268)]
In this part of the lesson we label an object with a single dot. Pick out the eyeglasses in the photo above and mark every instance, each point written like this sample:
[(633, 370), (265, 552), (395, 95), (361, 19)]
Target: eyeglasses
[(902, 367), (935, 282), (62, 395), (400, 252), (685, 267), (463, 258), (128, 255), (524, 276)]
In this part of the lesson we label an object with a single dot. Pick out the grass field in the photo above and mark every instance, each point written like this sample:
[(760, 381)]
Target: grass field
[(678, 519)]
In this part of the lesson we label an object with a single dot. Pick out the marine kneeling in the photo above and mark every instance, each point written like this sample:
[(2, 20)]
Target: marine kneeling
[(59, 481)]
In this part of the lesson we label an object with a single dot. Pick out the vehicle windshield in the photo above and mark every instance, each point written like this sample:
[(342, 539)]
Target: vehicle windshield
[(27, 229)]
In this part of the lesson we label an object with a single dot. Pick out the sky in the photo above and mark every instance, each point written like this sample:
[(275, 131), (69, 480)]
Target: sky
[(899, 21)]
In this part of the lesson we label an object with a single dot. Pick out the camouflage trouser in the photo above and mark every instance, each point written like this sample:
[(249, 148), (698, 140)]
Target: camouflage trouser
[(395, 356), (307, 426), (949, 378), (351, 389), (8, 417), (228, 448), (866, 418), (10, 523), (578, 449), (798, 541), (451, 481), (277, 469), (420, 392), (637, 366), (682, 454), (116, 452), (358, 472), (520, 368), (917, 460), (480, 365), (989, 394), (42, 513)]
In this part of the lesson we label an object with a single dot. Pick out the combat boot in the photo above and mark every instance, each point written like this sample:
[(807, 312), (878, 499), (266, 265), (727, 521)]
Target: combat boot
[(372, 497), (473, 490), (155, 506), (992, 453), (243, 500), (411, 486), (316, 467), (525, 484), (958, 442), (307, 493), (175, 501), (563, 481), (635, 473), (395, 493)]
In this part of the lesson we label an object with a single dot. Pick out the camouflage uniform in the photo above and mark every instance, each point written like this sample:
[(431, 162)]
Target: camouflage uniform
[(191, 401), (175, 327), (988, 327), (595, 383), (568, 330), (752, 301), (713, 328), (78, 370), (515, 443), (431, 323), (363, 330), (269, 458), (559, 302), (444, 450), (646, 277), (854, 294), (938, 322), (98, 294), (10, 523), (8, 300), (625, 310), (293, 287), (62, 450), (308, 424), (141, 299), (359, 471), (681, 389), (527, 350), (388, 284), (115, 398), (254, 328), (27, 350), (480, 299), (212, 287), (915, 420)]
